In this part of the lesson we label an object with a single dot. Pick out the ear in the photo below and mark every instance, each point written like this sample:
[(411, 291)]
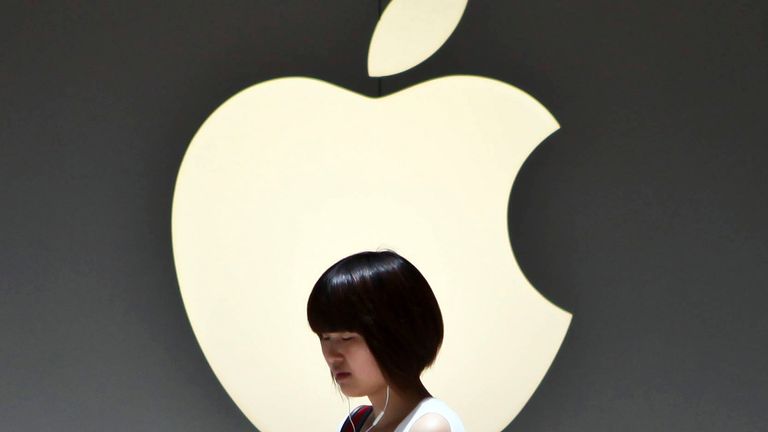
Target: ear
[(431, 422)]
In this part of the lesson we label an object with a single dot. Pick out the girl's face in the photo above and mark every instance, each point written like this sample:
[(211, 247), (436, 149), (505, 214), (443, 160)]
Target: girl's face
[(353, 366)]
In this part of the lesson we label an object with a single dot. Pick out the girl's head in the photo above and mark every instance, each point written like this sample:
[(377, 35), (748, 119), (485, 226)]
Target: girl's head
[(384, 299)]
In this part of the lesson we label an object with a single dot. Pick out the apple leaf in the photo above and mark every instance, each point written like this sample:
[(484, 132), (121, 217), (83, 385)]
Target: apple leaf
[(409, 31)]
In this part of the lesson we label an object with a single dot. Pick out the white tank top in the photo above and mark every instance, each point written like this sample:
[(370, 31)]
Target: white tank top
[(426, 406)]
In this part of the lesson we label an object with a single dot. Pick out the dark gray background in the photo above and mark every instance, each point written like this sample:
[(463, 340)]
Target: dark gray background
[(644, 215)]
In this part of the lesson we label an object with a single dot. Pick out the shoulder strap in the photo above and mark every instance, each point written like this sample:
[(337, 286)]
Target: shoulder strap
[(359, 416)]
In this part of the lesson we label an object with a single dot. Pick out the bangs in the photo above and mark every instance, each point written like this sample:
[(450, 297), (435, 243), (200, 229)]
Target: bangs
[(336, 304)]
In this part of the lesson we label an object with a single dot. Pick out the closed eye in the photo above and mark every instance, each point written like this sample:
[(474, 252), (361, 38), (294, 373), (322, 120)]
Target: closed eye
[(327, 338), (343, 338)]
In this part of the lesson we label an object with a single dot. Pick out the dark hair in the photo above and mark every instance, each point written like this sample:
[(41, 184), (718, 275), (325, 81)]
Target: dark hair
[(386, 299)]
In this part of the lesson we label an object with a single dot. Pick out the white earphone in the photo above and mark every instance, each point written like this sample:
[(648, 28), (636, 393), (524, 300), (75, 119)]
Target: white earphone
[(375, 421)]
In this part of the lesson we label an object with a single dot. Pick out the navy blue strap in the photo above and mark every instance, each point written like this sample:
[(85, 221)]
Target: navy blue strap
[(359, 416)]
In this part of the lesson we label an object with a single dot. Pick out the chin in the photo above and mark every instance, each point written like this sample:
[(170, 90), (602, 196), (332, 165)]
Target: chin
[(352, 393)]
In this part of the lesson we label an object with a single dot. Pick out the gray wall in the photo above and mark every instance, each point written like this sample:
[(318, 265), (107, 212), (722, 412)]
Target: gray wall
[(644, 215)]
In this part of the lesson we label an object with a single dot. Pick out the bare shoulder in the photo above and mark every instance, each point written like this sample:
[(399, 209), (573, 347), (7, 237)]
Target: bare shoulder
[(431, 422)]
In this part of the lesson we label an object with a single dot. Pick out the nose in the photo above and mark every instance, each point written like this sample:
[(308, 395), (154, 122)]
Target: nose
[(332, 353)]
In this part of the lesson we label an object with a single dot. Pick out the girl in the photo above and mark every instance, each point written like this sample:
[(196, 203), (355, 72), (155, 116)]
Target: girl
[(380, 326)]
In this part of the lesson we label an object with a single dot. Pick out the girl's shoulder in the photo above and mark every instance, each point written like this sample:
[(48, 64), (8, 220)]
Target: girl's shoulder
[(432, 406)]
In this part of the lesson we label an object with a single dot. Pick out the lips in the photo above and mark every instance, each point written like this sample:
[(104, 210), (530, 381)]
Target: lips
[(340, 375)]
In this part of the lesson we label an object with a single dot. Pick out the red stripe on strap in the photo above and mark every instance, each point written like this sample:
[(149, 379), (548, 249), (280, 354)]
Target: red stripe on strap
[(360, 413)]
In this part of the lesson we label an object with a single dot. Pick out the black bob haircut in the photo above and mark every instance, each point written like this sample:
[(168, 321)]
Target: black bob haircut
[(384, 298)]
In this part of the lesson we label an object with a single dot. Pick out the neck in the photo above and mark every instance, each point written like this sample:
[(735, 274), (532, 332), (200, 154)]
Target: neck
[(400, 404)]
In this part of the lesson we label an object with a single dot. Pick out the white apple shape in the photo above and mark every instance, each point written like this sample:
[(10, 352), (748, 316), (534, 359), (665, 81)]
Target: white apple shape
[(290, 175)]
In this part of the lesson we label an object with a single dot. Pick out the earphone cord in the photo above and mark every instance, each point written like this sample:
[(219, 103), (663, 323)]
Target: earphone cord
[(349, 416), (381, 414)]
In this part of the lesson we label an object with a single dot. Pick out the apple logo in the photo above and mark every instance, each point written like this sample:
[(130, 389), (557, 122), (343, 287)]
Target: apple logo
[(291, 174)]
